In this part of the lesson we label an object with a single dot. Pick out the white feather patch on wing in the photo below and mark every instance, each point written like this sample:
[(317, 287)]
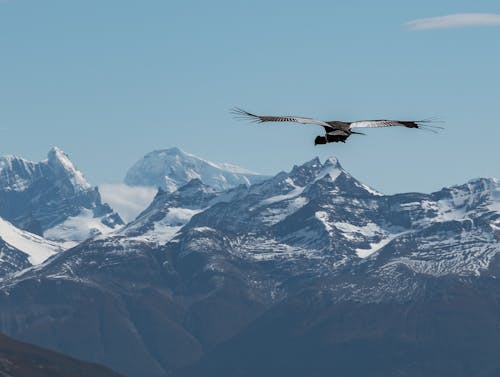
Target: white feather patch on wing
[(300, 120), (242, 114), (375, 123)]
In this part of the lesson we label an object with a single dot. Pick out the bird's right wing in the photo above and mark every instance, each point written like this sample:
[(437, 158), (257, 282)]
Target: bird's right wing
[(242, 114)]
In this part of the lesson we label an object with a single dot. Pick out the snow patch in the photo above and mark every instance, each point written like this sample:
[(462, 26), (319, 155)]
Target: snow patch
[(78, 228), (368, 230), (374, 247), (38, 248), (323, 217), (278, 198)]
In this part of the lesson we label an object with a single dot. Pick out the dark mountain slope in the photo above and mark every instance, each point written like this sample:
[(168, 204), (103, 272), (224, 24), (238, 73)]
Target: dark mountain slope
[(452, 328), (18, 359)]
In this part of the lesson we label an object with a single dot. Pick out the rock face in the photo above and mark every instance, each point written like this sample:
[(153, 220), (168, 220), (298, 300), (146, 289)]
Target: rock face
[(12, 259), (170, 211), (52, 199), (301, 274), (449, 329), (172, 168), (19, 359)]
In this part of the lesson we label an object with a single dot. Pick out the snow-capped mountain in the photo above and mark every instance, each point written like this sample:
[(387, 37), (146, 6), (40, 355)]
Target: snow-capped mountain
[(310, 261), (321, 210), (170, 211), (52, 198), (172, 168)]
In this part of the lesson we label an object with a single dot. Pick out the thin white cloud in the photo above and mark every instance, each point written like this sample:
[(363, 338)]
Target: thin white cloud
[(126, 200), (455, 21)]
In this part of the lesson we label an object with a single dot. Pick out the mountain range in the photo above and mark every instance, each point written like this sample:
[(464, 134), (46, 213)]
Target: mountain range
[(309, 272)]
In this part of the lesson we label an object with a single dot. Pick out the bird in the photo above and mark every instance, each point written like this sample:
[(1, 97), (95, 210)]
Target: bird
[(335, 130)]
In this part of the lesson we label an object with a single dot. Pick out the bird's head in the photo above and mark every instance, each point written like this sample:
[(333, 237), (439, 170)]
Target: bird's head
[(320, 140)]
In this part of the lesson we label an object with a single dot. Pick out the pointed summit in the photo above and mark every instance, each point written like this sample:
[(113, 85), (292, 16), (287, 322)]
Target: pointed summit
[(64, 168), (52, 198), (332, 161), (312, 163), (331, 168)]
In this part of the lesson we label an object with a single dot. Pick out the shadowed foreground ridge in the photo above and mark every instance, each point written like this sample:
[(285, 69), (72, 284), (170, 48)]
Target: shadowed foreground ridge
[(450, 330), (19, 359)]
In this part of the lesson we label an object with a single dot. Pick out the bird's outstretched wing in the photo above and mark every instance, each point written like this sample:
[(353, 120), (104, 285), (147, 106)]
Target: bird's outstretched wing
[(423, 124), (242, 114)]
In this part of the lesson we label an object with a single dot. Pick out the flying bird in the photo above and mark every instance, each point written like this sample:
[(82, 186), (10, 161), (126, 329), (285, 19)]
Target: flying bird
[(335, 130)]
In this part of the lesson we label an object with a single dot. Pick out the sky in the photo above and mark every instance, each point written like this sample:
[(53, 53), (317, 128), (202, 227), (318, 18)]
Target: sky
[(109, 81)]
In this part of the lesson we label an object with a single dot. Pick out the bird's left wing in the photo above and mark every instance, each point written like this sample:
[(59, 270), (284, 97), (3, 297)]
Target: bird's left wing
[(391, 123), (242, 114)]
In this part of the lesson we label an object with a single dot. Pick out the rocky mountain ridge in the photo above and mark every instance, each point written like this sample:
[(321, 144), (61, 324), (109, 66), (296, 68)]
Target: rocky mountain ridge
[(51, 198), (202, 276)]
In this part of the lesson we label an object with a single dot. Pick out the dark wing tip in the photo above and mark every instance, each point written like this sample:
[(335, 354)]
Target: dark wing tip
[(241, 114), (429, 124)]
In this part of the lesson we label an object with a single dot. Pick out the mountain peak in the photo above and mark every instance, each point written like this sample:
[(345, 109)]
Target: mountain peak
[(315, 162), (172, 168), (332, 169), (7, 160), (332, 161), (173, 150), (52, 198), (60, 162)]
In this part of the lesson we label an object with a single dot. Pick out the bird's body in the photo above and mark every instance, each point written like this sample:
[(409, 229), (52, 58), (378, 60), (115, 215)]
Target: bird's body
[(335, 130)]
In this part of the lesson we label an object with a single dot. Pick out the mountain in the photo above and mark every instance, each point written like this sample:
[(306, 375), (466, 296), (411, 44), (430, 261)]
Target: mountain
[(170, 211), (305, 273), (20, 249), (12, 259), (449, 329), (321, 209), (172, 168), (19, 359), (52, 199)]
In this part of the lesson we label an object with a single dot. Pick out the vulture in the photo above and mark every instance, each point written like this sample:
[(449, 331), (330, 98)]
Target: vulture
[(335, 130)]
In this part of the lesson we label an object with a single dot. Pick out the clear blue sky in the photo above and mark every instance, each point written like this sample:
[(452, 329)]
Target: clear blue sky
[(109, 81)]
